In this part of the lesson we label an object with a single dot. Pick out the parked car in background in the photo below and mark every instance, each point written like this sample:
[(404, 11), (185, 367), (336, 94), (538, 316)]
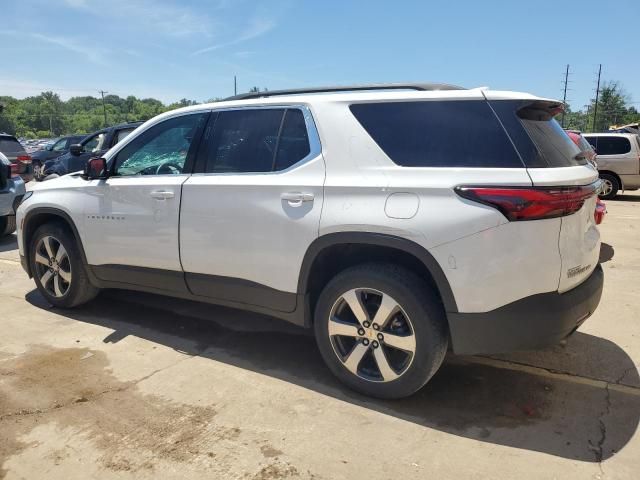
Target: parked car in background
[(369, 216), (50, 152), (584, 146), (20, 160), (12, 191), (93, 145), (618, 161)]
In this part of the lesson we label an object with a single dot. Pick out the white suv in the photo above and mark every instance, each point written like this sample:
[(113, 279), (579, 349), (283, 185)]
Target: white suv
[(398, 221)]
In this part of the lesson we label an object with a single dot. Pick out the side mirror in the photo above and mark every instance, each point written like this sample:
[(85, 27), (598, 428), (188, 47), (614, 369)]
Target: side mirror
[(95, 168), (49, 148), (76, 149)]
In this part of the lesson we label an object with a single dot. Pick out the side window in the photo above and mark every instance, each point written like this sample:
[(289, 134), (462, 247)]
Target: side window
[(438, 133), (121, 134), (244, 141), (60, 145), (610, 145), (293, 144), (257, 140), (94, 143), (160, 150)]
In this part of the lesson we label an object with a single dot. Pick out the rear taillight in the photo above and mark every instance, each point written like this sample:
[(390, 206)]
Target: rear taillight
[(530, 203), (24, 159)]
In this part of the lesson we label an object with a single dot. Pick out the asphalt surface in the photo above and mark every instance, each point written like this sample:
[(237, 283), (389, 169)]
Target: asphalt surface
[(139, 386)]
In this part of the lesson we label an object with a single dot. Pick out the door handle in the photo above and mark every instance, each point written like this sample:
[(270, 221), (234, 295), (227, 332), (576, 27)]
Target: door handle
[(162, 194), (296, 199)]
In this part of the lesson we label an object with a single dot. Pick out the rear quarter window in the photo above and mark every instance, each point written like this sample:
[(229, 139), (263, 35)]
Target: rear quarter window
[(455, 133), (10, 145), (610, 145)]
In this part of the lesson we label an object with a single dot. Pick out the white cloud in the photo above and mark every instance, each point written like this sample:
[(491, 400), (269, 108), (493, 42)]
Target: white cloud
[(93, 54), (160, 17), (256, 27)]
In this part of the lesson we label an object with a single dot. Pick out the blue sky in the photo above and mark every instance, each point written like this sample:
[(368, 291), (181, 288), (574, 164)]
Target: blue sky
[(170, 49)]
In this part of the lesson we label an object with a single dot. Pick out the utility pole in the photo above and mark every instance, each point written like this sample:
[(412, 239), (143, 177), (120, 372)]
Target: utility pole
[(104, 108), (235, 85), (51, 124), (564, 97), (595, 108)]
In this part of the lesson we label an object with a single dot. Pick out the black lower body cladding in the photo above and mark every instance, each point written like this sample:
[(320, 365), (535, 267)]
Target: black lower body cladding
[(531, 323)]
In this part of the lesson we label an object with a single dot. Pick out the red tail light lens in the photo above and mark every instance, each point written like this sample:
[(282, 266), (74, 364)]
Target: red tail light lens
[(24, 159), (531, 203)]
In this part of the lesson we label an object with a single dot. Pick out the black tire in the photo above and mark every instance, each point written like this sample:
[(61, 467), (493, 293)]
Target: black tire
[(79, 290), (427, 320), (613, 182), (7, 225)]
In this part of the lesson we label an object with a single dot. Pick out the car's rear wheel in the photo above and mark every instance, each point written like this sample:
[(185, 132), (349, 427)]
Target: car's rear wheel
[(7, 225), (381, 330), (610, 187), (57, 267)]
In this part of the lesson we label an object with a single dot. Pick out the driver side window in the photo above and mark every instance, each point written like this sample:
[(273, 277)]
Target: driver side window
[(160, 150)]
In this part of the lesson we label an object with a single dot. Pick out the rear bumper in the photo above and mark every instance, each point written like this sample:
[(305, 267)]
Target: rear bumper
[(531, 323)]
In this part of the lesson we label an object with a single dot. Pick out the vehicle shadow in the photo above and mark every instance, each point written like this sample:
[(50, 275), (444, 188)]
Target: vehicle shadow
[(627, 197), (9, 242), (606, 252), (567, 417)]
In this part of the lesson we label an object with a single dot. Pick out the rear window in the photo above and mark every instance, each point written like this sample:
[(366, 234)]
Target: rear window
[(540, 140), (610, 145), (458, 133), (10, 144)]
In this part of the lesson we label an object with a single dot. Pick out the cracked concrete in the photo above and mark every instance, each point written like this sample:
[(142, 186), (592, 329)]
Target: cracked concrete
[(138, 386)]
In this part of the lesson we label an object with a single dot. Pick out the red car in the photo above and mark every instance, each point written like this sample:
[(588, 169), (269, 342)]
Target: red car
[(583, 145), (590, 153)]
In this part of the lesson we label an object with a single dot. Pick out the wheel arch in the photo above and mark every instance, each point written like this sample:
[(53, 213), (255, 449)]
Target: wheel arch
[(328, 255), (614, 174), (41, 215)]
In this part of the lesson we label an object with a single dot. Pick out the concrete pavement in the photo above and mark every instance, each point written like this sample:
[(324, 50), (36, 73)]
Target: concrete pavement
[(136, 386)]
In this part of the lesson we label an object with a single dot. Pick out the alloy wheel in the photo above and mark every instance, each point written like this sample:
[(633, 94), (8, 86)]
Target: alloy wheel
[(372, 335), (53, 267), (607, 188)]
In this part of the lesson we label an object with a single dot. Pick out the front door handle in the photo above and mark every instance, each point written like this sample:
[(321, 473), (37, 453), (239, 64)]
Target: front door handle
[(296, 199), (162, 194)]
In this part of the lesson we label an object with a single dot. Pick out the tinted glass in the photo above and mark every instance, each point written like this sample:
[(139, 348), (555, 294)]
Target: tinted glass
[(123, 134), (160, 150), (60, 145), (438, 133), (95, 143), (610, 145), (293, 143), (244, 141), (10, 145), (540, 140)]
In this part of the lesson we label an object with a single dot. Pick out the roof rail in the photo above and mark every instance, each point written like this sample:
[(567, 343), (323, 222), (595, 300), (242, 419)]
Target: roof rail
[(348, 88)]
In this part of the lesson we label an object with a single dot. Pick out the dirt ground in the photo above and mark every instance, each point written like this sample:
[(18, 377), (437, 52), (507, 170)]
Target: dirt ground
[(140, 386)]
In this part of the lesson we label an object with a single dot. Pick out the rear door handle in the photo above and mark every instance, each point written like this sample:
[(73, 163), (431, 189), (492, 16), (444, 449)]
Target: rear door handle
[(296, 199), (162, 194)]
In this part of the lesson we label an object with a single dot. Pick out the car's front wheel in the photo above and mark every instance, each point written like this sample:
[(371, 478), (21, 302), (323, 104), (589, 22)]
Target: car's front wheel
[(57, 267), (381, 330), (7, 225)]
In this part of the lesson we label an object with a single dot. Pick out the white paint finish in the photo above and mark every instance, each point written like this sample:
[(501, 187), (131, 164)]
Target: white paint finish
[(402, 205), (144, 229), (502, 264), (579, 240), (237, 225)]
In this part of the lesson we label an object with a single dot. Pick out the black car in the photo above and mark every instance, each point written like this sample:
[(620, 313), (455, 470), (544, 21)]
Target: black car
[(59, 147), (94, 145)]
